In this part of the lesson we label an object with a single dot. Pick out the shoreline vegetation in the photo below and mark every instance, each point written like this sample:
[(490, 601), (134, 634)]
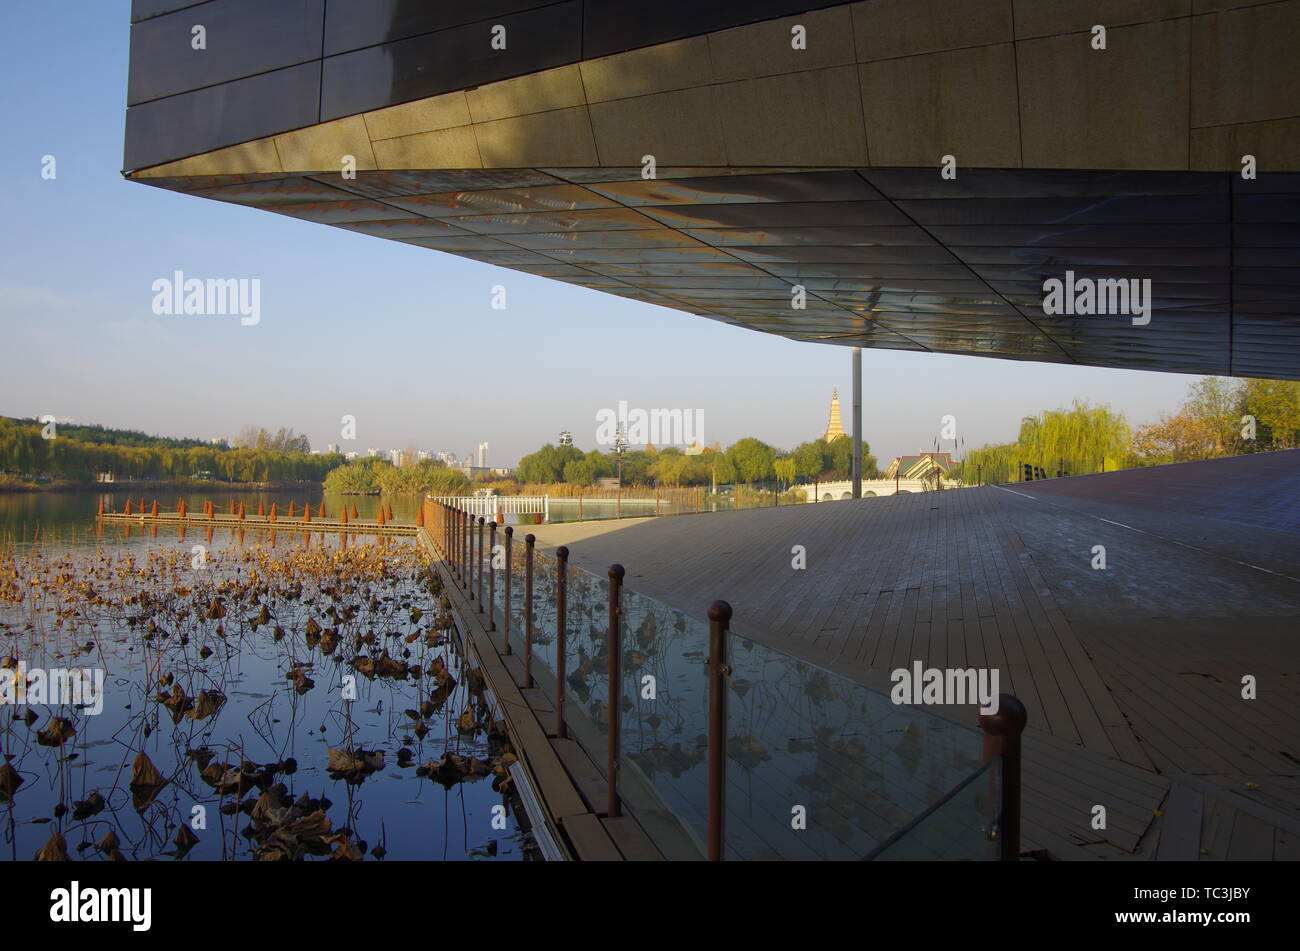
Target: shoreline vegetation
[(57, 455), (9, 483), (1219, 417)]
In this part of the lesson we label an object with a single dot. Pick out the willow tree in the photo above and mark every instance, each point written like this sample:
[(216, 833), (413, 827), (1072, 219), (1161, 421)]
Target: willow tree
[(1080, 440)]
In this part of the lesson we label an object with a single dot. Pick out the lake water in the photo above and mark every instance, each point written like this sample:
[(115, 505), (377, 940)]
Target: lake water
[(194, 651)]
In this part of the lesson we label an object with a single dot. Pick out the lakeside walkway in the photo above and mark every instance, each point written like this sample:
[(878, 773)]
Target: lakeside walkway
[(1132, 675)]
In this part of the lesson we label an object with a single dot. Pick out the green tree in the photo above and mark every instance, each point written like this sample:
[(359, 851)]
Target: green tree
[(1217, 404), (1275, 404), (580, 472), (547, 464), (751, 459)]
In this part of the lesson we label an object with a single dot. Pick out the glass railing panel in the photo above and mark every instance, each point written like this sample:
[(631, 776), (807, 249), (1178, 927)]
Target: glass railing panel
[(664, 726), (820, 767), (961, 827), (515, 607), (586, 663), (544, 618)]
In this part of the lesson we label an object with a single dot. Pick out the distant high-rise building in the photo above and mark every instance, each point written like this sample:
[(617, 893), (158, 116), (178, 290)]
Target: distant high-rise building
[(349, 456), (371, 452), (332, 448), (395, 456), (421, 455), (835, 429), (482, 455), (566, 438)]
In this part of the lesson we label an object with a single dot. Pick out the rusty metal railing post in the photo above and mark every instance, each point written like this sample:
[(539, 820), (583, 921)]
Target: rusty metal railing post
[(468, 552), (510, 568), (561, 613), (719, 626), (492, 575), (478, 567), (529, 541), (463, 527), (613, 644), (1002, 732)]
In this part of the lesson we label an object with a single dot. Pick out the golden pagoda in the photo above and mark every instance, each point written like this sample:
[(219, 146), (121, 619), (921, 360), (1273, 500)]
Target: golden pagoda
[(835, 430)]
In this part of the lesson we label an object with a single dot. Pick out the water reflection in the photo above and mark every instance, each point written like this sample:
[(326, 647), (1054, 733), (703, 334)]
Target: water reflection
[(230, 729)]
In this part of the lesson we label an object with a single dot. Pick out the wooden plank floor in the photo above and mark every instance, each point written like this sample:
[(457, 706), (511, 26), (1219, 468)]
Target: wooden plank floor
[(1130, 675)]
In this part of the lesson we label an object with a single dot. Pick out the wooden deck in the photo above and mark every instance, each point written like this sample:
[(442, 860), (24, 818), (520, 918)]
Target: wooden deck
[(1132, 675)]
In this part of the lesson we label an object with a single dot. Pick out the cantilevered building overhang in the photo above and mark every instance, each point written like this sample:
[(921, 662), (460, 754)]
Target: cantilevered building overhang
[(795, 144)]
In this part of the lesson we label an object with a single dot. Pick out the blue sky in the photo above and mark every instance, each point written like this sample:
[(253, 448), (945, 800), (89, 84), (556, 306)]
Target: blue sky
[(402, 338)]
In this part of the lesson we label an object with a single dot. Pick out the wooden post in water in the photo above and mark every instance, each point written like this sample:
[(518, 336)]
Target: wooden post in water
[(718, 671), (561, 613), (529, 541), (614, 710)]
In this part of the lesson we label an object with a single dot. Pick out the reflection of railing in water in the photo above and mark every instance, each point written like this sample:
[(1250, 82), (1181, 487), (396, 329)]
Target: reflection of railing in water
[(751, 752)]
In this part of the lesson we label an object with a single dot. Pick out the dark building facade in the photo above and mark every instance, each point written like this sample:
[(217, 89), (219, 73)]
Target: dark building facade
[(903, 174)]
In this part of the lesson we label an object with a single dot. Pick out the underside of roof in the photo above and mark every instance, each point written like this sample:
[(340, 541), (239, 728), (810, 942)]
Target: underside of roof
[(803, 193)]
